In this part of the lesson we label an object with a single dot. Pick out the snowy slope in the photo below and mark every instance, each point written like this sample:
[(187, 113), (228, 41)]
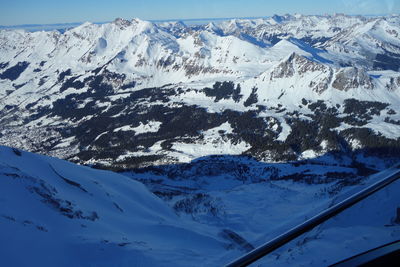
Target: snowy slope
[(371, 223), (258, 201), (58, 213)]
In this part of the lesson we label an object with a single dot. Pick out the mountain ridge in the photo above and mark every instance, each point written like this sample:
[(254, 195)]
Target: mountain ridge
[(55, 83)]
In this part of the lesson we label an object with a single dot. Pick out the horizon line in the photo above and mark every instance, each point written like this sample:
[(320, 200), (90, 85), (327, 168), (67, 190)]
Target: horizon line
[(189, 19)]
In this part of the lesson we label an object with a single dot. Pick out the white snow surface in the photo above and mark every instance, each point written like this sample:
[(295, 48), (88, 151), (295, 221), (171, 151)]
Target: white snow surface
[(150, 127), (260, 211), (56, 213), (213, 143), (131, 225), (366, 225)]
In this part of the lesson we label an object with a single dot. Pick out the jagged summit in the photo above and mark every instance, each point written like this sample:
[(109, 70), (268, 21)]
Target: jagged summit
[(283, 18), (124, 69)]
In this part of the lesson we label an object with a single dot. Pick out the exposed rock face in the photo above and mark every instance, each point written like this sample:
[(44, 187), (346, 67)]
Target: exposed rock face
[(352, 77), (323, 84), (396, 82), (306, 66), (300, 63), (285, 69), (393, 84), (303, 66), (123, 23)]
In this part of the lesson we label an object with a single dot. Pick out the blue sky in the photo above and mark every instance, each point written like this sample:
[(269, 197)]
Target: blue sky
[(14, 12)]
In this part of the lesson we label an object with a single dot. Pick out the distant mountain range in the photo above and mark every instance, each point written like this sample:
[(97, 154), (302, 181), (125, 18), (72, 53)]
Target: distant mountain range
[(130, 92), (62, 27), (242, 128)]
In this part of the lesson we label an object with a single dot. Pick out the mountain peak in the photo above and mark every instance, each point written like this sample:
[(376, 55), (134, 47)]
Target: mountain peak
[(294, 57), (122, 22), (295, 63), (282, 18), (84, 25)]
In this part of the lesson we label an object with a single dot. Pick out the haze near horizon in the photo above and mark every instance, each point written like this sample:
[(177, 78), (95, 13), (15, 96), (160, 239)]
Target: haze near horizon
[(20, 12)]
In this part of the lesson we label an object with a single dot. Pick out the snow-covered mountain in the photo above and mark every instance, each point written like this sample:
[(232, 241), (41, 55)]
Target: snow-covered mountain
[(133, 92)]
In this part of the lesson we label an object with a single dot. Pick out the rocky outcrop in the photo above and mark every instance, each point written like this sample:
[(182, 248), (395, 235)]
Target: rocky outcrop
[(351, 78), (393, 84), (302, 66), (344, 80), (286, 68)]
